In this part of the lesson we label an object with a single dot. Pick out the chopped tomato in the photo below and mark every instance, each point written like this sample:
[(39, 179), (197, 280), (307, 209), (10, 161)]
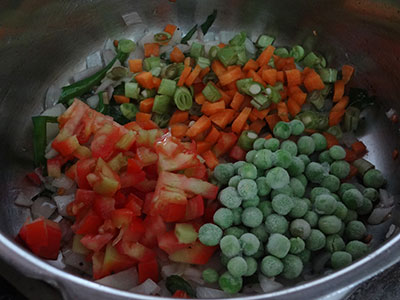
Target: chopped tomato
[(148, 270), (194, 208), (180, 294), (155, 227), (197, 254), (115, 262), (135, 231), (121, 217), (103, 206), (169, 242), (104, 141), (134, 204), (89, 224), (96, 242), (226, 141)]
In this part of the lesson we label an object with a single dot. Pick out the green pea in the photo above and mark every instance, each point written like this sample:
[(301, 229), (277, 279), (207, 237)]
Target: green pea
[(311, 218), (278, 245), (286, 190), (296, 167), (248, 171), (344, 187), (329, 224), (290, 147), (229, 283), (252, 266), (250, 243), (324, 156), (351, 216), (331, 182), (230, 198), (305, 256), (300, 208), (334, 243), (210, 234), (276, 224), (352, 198), (306, 145), (263, 187), (282, 158), (247, 189), (340, 259), (341, 211), (237, 266), (303, 179), (297, 187), (325, 204), (252, 217), (319, 141), (292, 266), (260, 232), (297, 245), (235, 231), (223, 217), (306, 160), (210, 275), (258, 144), (250, 156), (357, 249), (282, 130), (251, 202), (259, 253), (316, 241), (266, 208), (366, 207), (234, 181), (263, 159), (272, 144), (337, 152), (297, 127), (340, 168), (282, 204), (300, 228), (277, 178), (371, 194), (229, 245), (271, 266), (355, 230), (223, 172), (315, 172), (239, 164), (373, 178)]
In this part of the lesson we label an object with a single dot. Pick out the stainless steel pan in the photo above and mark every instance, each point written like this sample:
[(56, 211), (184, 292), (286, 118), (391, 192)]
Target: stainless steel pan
[(44, 41)]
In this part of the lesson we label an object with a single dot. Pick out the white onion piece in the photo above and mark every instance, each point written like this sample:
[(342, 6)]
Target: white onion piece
[(132, 18), (149, 287), (77, 261), (110, 92), (50, 153), (93, 101), (390, 113), (22, 200), (55, 111), (62, 203), (268, 284), (163, 289), (137, 54), (52, 96), (148, 38), (226, 36), (63, 182), (386, 200), (194, 40), (252, 289), (209, 37), (124, 280), (200, 35), (51, 131), (85, 73), (58, 263), (94, 60), (379, 214), (209, 293), (390, 231), (166, 49), (177, 37), (250, 46), (108, 55), (208, 45), (42, 207), (57, 218), (194, 275), (173, 269), (25, 195), (108, 45)]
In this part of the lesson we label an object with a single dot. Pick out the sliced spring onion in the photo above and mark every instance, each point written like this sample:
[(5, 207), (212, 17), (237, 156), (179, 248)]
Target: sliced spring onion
[(249, 86), (282, 52), (126, 46), (317, 99), (275, 96), (203, 62), (213, 52), (196, 50), (242, 57), (262, 101), (363, 166), (162, 37), (161, 104), (328, 75), (351, 118), (209, 21), (161, 120), (311, 60), (211, 92), (128, 110), (102, 105), (247, 139), (183, 98), (254, 89), (151, 62), (39, 137), (117, 73), (132, 90), (167, 87), (156, 71), (238, 40), (210, 76), (228, 56), (336, 131), (148, 93), (264, 41), (169, 72), (297, 52)]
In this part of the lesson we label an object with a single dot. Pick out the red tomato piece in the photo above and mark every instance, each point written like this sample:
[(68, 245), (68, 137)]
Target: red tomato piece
[(146, 156), (97, 265), (194, 208), (134, 204), (237, 153), (83, 168), (83, 200), (155, 227), (180, 294), (104, 141), (148, 270), (34, 178), (146, 186), (89, 224), (226, 141), (133, 166), (135, 231), (137, 251), (169, 243), (173, 212), (120, 199), (103, 206), (209, 212), (197, 254), (121, 217), (66, 146), (180, 161), (132, 179), (168, 145), (96, 242), (115, 262), (199, 171), (148, 202)]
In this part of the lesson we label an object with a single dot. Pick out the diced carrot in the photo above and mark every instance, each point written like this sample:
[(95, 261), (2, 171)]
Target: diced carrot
[(177, 55), (187, 62), (257, 126), (151, 49), (282, 111), (213, 136), (252, 116), (201, 125), (185, 74), (338, 90), (250, 65), (223, 118), (347, 72), (350, 156), (217, 67), (227, 99), (353, 172), (237, 101), (265, 56), (269, 76), (179, 117), (232, 87), (283, 93), (121, 99), (280, 76), (142, 117), (145, 80), (156, 82), (230, 76), (293, 77), (203, 146), (307, 71), (179, 130), (312, 81), (341, 105), (193, 75), (170, 28), (261, 114), (194, 118), (300, 98), (256, 77), (221, 45), (330, 139), (272, 120), (210, 159), (210, 108), (293, 107), (294, 90), (135, 65), (204, 72), (146, 105), (239, 122), (335, 117), (310, 131), (246, 103), (268, 136), (231, 94), (359, 148)]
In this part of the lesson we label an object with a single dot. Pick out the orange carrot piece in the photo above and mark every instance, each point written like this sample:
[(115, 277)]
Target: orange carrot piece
[(121, 99), (227, 99), (280, 76), (261, 114), (359, 148), (250, 65), (294, 90), (272, 120), (232, 87), (194, 118), (187, 62), (347, 72), (156, 82), (177, 55), (239, 122), (185, 74), (203, 146), (246, 103), (204, 72), (341, 105), (210, 108), (179, 130), (221, 45), (218, 68), (231, 94), (269, 76), (257, 126), (256, 77), (151, 49), (142, 117), (179, 117), (201, 125), (293, 107), (330, 139), (223, 118), (283, 93), (230, 76), (213, 136), (170, 28), (145, 80), (335, 117), (237, 101), (338, 90), (146, 105), (200, 98), (293, 77), (299, 97), (193, 75), (312, 81), (282, 111), (265, 56), (252, 116), (210, 159), (135, 65)]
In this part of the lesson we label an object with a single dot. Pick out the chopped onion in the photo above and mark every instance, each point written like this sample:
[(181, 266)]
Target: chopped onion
[(209, 293), (148, 38), (66, 231), (268, 284), (193, 274), (137, 54), (94, 60), (108, 45), (149, 287), (173, 269), (208, 45), (108, 55), (163, 289), (167, 49), (391, 231), (51, 153), (379, 214), (52, 96), (177, 37), (200, 35), (124, 280), (42, 207), (193, 40), (57, 219), (250, 46), (226, 36), (55, 111), (85, 73), (24, 197), (63, 182), (252, 289), (93, 101), (77, 261), (390, 113), (57, 263), (62, 203), (201, 159), (132, 18), (209, 37), (386, 200), (184, 48)]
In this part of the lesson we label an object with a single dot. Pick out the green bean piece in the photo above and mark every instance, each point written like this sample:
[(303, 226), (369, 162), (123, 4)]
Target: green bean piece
[(40, 138), (211, 93), (167, 87), (328, 75), (132, 90), (228, 56), (297, 52), (282, 52), (128, 110), (151, 63), (161, 104), (264, 41)]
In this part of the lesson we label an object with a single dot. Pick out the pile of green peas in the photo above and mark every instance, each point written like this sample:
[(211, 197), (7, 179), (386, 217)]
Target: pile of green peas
[(284, 205)]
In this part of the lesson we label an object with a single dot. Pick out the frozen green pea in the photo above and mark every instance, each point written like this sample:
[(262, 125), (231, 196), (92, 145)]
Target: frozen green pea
[(263, 187), (312, 218), (259, 144), (252, 266), (341, 211), (297, 245), (290, 147), (340, 259), (247, 189), (234, 181), (331, 182), (297, 187), (263, 159), (329, 224), (260, 232), (373, 178), (286, 190), (340, 168), (278, 245), (303, 179), (250, 156), (345, 187), (292, 266), (314, 172), (210, 234), (235, 231), (282, 158), (253, 202), (355, 230), (250, 244), (308, 202), (276, 224), (238, 164), (248, 171), (230, 245), (260, 172), (300, 208), (351, 216), (337, 198), (282, 130), (266, 208), (305, 256), (230, 284), (259, 253), (230, 198), (237, 266), (306, 160), (252, 217), (341, 232), (300, 228), (210, 275), (357, 249), (316, 241), (337, 152), (224, 259), (223, 172), (272, 144), (306, 145), (282, 204), (324, 156), (277, 178), (319, 141), (297, 127), (297, 167), (366, 207), (352, 198), (223, 217), (334, 243), (325, 204), (271, 266), (371, 194)]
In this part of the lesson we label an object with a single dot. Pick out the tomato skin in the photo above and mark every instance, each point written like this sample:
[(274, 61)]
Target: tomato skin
[(194, 208), (147, 270), (34, 178), (120, 199), (133, 166), (134, 204), (121, 217), (173, 212), (96, 242), (104, 141), (180, 294), (197, 254), (135, 231), (89, 224), (155, 227), (83, 200), (103, 206), (83, 168), (169, 242), (132, 179)]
